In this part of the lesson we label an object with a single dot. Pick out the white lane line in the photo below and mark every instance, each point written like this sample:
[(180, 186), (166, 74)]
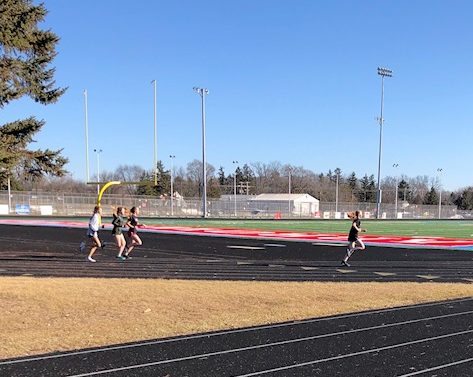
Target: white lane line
[(385, 273), (309, 268), (438, 367), (236, 331), (345, 271), (348, 355), (283, 342), (328, 244), (429, 277), (245, 247), (274, 245)]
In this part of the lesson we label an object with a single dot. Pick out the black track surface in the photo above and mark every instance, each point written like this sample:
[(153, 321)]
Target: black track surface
[(49, 251), (422, 340)]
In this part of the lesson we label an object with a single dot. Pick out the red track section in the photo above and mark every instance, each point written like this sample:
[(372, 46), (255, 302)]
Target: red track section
[(430, 242)]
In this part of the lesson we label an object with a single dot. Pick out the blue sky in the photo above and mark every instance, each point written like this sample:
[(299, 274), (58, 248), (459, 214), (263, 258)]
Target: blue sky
[(291, 81)]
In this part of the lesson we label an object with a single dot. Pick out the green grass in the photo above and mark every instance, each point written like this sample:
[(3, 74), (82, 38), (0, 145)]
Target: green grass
[(433, 228)]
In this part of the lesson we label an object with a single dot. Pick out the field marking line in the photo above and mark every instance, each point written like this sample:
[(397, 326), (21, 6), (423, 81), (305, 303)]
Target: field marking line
[(235, 331)]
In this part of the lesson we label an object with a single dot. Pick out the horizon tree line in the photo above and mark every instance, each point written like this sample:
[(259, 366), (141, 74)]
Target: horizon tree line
[(256, 178)]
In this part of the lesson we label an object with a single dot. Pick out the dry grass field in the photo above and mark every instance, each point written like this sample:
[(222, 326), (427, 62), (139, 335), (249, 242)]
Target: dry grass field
[(41, 315)]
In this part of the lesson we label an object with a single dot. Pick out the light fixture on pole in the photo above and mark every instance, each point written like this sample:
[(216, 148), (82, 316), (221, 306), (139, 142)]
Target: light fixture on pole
[(172, 187), (98, 151), (234, 190), (155, 159), (395, 192), (383, 72), (439, 171), (86, 136), (202, 92)]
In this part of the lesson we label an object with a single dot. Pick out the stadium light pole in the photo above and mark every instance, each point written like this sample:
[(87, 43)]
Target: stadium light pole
[(439, 171), (98, 151), (9, 193), (290, 190), (234, 189), (202, 92), (383, 72), (395, 198), (155, 168), (172, 157), (336, 193), (87, 170)]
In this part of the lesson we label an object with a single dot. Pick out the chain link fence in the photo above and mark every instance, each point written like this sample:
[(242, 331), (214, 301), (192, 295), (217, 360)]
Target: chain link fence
[(239, 206)]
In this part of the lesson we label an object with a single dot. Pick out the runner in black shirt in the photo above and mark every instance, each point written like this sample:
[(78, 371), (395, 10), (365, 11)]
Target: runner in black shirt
[(118, 223), (354, 243), (133, 224)]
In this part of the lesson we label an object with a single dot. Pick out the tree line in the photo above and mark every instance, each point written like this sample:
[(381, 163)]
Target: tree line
[(256, 178)]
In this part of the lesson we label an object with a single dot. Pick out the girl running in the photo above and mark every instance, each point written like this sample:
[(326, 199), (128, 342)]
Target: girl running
[(132, 225), (118, 223), (354, 243), (94, 225)]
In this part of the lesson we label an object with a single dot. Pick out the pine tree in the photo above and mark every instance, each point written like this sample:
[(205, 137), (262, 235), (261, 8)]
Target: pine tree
[(464, 200), (352, 181), (221, 176), (25, 55), (147, 186), (404, 191), (431, 197)]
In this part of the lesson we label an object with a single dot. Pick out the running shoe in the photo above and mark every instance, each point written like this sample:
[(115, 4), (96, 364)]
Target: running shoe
[(345, 264), (121, 257), (90, 259)]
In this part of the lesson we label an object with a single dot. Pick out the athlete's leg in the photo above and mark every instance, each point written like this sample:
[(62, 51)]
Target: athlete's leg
[(350, 251), (95, 244), (135, 241), (360, 245)]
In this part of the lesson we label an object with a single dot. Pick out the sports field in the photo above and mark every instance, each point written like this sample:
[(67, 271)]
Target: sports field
[(431, 228)]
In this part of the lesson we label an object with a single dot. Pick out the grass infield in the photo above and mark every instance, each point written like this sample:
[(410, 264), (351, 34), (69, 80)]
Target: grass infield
[(56, 314)]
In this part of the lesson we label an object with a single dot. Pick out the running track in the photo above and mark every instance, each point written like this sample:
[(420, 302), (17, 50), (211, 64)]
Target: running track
[(51, 251), (423, 340)]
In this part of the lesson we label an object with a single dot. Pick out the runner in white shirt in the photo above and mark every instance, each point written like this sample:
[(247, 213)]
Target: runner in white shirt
[(94, 225)]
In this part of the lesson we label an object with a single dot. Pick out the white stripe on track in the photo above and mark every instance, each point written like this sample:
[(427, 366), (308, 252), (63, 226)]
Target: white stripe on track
[(243, 247), (235, 331), (131, 367), (344, 356), (268, 345), (437, 367)]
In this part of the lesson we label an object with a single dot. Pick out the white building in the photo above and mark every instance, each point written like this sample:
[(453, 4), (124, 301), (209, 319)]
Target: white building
[(296, 204)]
